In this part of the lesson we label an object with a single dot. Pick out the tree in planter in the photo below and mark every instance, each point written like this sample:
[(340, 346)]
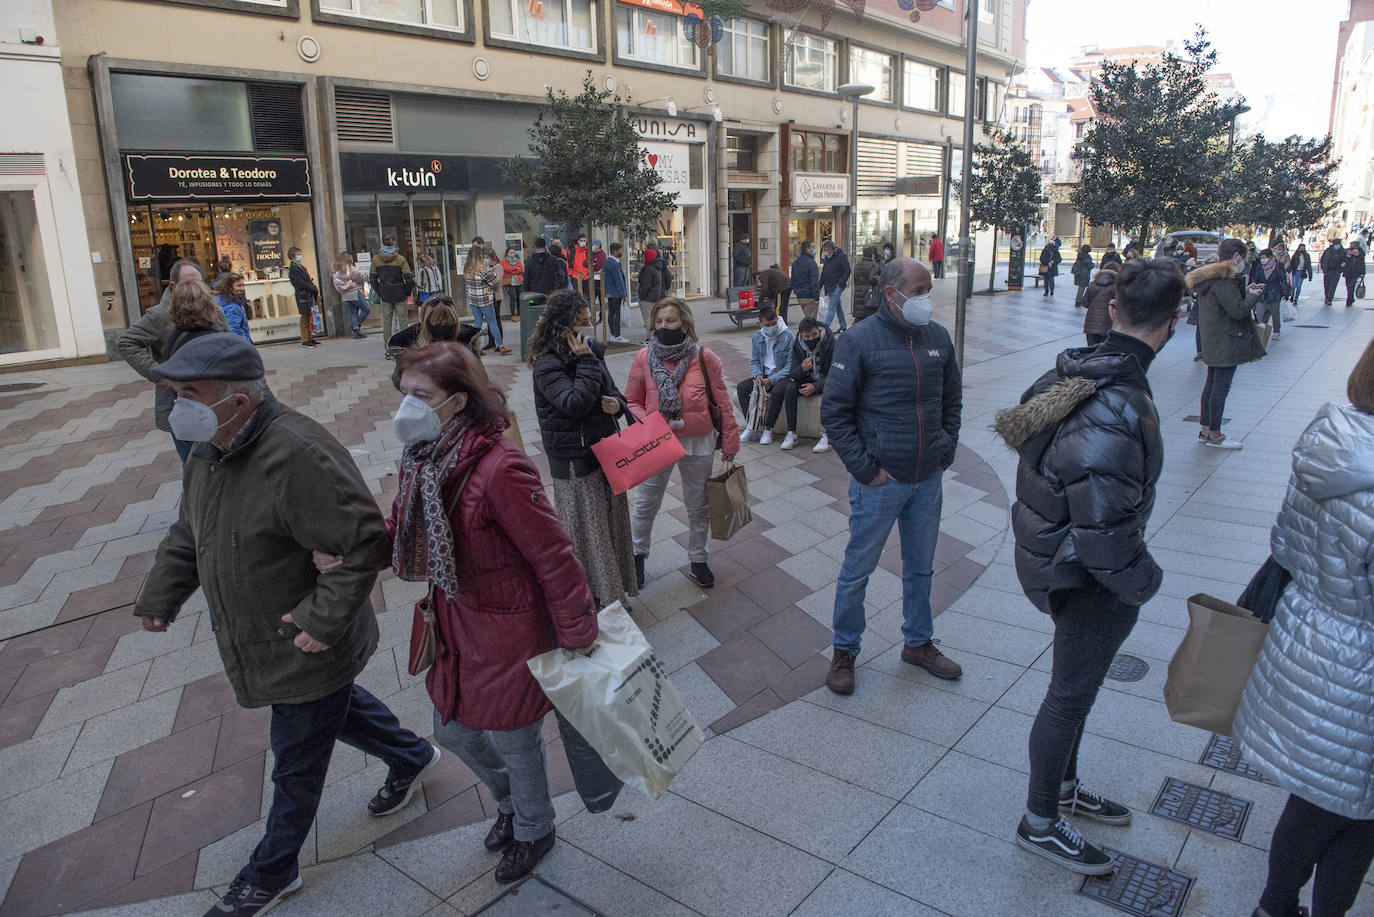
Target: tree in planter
[(1005, 189), (1284, 186), (1158, 149), (586, 166)]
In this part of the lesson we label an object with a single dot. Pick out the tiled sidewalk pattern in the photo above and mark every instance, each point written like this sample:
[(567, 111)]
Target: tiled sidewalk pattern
[(802, 802)]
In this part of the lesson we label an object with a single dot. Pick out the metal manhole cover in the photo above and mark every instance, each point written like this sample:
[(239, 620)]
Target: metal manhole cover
[(1126, 667), (1223, 755), (9, 387), (1196, 418), (535, 896), (1138, 887), (1207, 810), (1312, 326)]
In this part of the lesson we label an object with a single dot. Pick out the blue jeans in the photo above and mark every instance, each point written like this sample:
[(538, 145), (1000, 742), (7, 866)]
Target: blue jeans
[(872, 510), (358, 311), (1297, 285), (833, 307), (487, 315), (302, 739)]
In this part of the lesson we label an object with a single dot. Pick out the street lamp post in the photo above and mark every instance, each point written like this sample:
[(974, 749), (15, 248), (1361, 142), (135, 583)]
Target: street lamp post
[(853, 92), (966, 180)]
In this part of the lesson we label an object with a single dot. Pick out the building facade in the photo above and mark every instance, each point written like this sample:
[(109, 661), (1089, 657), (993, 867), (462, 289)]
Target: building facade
[(327, 125), (1352, 128)]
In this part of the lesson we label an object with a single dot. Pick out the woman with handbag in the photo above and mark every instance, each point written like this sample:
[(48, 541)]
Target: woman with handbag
[(471, 519), (683, 381), (1306, 719), (577, 403)]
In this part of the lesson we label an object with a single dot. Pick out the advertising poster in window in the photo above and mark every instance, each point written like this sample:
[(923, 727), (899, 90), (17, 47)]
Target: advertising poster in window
[(265, 239), (231, 241)]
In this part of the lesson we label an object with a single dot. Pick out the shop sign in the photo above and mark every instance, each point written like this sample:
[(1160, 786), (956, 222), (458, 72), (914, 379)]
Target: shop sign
[(669, 160), (265, 330), (820, 188), (680, 130), (672, 7), (163, 177), (264, 240), (919, 185)]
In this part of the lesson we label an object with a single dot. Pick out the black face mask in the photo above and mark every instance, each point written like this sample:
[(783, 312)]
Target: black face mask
[(811, 344), (670, 337), (239, 298), (443, 332)]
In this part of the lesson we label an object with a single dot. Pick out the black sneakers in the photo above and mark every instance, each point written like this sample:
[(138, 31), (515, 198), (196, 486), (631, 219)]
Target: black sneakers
[(703, 576), (1084, 802), (1062, 843), (246, 900), (396, 791)]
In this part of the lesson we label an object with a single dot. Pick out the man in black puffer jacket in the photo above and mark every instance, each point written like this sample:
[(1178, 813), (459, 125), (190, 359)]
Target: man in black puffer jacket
[(891, 410), (1088, 437)]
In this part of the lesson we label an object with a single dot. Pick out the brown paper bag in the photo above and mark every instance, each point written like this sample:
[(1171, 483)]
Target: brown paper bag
[(513, 431), (1211, 666), (727, 495)]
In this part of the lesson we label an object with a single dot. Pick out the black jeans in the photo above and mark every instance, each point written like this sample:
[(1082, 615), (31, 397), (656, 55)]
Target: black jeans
[(1089, 627), (1350, 284), (1329, 281), (513, 301), (613, 304), (784, 397), (1308, 838), (1082, 292), (744, 390), (1214, 395), (784, 298), (302, 739), (939, 269), (1049, 284), (1272, 312)]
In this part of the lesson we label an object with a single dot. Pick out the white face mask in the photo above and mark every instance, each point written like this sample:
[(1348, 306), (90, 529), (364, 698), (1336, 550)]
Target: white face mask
[(916, 310), (195, 422), (417, 422)]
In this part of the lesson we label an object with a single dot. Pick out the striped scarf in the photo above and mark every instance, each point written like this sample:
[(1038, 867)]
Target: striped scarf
[(423, 549)]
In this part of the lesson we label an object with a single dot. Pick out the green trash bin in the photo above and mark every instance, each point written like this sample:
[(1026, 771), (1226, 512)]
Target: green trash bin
[(531, 307)]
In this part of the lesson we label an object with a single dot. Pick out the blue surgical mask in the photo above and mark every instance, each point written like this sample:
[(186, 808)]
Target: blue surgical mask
[(387, 250), (771, 330)]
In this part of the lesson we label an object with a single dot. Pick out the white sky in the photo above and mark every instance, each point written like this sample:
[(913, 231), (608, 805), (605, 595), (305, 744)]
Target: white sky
[(1282, 54)]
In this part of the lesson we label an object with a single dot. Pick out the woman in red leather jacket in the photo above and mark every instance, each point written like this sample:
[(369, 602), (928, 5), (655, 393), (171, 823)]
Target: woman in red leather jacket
[(472, 519)]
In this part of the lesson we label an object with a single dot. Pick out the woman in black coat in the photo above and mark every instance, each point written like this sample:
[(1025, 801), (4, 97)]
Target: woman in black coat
[(1353, 269), (577, 403), (1082, 271), (1049, 265)]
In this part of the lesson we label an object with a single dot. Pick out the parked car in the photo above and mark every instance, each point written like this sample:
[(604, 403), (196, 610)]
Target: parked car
[(1205, 242)]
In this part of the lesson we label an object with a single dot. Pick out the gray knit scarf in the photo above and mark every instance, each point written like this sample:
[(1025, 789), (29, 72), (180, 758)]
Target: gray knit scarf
[(669, 400)]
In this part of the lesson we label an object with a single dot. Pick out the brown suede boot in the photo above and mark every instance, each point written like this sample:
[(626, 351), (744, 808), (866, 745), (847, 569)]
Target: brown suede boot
[(840, 678), (932, 660)]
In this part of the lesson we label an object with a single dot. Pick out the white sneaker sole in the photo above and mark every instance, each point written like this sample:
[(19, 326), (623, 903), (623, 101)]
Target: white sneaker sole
[(1093, 816), (1082, 869), (280, 896), (414, 785)]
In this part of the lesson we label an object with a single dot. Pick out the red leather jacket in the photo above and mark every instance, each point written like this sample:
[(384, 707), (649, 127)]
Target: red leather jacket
[(523, 591)]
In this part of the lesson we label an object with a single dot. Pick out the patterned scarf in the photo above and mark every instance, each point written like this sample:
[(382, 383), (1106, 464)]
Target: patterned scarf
[(669, 400), (423, 549)]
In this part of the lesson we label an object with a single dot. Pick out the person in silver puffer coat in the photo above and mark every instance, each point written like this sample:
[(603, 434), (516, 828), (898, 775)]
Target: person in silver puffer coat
[(1306, 719)]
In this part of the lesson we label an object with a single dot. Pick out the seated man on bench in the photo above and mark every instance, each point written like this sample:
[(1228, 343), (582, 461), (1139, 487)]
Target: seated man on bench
[(769, 363), (811, 353)]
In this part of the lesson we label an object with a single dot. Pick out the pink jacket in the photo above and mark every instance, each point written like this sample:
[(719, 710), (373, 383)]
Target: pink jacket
[(348, 282), (642, 394)]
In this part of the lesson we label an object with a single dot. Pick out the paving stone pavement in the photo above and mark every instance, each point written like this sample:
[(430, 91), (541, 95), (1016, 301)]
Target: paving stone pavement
[(130, 783)]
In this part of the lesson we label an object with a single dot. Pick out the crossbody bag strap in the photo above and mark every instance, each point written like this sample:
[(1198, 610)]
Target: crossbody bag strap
[(452, 502), (706, 379)]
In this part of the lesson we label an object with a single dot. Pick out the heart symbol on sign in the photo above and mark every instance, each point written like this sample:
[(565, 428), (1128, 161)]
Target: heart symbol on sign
[(653, 159)]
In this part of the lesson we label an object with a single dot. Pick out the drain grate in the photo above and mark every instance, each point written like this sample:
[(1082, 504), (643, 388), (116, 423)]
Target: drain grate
[(1126, 667), (11, 387), (1138, 887), (1312, 326), (1223, 755), (1198, 807), (1197, 418)]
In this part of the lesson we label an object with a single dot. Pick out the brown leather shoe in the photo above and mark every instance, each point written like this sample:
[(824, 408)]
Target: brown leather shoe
[(522, 856), (932, 660), (840, 678), (501, 833)]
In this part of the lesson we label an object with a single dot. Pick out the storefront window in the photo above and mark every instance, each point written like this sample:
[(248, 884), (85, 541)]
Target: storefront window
[(814, 226), (653, 37), (873, 67), (175, 113), (27, 320), (876, 227), (440, 14), (743, 51), (954, 105), (922, 86), (812, 63), (550, 23)]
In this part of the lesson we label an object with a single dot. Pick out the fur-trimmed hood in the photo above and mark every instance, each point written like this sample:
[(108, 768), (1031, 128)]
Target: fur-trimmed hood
[(1221, 270), (1022, 423), (1106, 276)]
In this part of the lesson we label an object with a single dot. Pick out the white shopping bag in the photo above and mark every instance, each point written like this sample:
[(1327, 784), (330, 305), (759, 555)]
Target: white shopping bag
[(1288, 312), (621, 701)]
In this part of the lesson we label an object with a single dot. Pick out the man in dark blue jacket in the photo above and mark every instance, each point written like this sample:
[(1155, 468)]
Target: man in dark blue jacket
[(834, 278), (891, 410), (806, 280)]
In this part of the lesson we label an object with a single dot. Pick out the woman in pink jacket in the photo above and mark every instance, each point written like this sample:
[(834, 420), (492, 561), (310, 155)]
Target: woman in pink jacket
[(671, 375)]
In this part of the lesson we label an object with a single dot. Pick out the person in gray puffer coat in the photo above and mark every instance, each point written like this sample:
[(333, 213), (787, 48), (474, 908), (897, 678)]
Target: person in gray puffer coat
[(1306, 719)]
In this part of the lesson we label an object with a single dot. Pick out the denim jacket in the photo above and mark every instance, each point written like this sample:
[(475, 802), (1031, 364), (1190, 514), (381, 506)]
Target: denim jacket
[(782, 354)]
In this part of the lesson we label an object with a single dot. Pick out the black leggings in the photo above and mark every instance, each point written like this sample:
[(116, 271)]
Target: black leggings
[(1308, 838), (1214, 395)]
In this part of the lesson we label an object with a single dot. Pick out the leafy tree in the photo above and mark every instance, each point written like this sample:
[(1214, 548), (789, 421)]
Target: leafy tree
[(1284, 186), (586, 166), (1005, 189), (1158, 150)]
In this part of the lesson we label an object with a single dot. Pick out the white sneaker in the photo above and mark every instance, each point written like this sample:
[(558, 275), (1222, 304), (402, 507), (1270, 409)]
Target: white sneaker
[(823, 445), (766, 438), (789, 440), (746, 435), (1231, 445), (620, 340)]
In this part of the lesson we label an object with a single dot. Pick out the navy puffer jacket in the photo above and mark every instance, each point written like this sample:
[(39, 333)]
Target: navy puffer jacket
[(893, 399)]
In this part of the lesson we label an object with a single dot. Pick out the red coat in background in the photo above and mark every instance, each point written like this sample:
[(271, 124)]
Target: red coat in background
[(577, 269), (937, 249), (514, 272), (598, 260), (523, 591)]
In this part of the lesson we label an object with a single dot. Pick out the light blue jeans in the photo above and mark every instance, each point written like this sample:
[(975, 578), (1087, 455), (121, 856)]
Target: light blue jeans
[(833, 307), (512, 766), (872, 511), (358, 311), (487, 315)]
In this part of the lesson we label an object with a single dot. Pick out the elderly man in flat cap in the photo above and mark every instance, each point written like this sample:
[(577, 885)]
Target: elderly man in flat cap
[(264, 488)]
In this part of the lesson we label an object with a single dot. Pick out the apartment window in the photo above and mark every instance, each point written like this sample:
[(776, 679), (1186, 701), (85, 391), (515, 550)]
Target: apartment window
[(652, 37), (551, 23), (954, 105), (922, 85), (741, 152), (817, 153), (992, 93), (743, 50), (812, 63), (872, 67), (985, 10), (438, 14)]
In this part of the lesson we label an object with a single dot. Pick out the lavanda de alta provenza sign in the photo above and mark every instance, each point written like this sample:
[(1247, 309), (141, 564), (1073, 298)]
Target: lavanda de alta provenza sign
[(162, 177)]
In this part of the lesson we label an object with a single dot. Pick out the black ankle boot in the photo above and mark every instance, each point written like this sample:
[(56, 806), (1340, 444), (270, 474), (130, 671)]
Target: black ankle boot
[(639, 569)]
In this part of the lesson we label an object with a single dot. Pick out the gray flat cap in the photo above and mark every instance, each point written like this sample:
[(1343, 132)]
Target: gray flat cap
[(214, 355)]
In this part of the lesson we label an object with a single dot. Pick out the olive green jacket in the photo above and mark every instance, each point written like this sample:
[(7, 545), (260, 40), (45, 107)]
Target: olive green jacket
[(1228, 330), (249, 519)]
